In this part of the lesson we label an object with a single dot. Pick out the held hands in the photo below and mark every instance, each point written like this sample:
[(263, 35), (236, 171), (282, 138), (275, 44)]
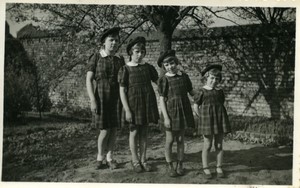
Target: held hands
[(93, 106), (167, 122)]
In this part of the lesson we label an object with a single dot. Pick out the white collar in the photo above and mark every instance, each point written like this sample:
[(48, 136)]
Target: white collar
[(133, 64), (209, 88), (104, 54), (171, 75)]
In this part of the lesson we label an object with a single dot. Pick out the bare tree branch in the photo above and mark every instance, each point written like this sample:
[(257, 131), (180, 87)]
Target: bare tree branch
[(221, 17)]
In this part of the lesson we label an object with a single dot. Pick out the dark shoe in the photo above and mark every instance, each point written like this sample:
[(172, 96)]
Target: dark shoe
[(146, 167), (219, 171), (171, 170), (112, 164), (99, 165), (179, 168), (137, 167), (206, 174)]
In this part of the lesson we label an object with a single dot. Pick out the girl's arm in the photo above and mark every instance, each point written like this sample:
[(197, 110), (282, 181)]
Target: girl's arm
[(124, 101), (189, 86), (192, 92), (163, 107), (153, 74), (90, 90), (196, 109)]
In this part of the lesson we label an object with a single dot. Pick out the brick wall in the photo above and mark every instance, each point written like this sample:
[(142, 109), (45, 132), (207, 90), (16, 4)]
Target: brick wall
[(194, 49)]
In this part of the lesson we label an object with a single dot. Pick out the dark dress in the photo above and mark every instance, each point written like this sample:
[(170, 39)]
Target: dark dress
[(213, 116), (175, 90), (107, 96), (140, 93)]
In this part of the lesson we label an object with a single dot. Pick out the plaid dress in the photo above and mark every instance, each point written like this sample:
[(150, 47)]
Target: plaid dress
[(140, 93), (174, 89), (213, 116), (109, 105)]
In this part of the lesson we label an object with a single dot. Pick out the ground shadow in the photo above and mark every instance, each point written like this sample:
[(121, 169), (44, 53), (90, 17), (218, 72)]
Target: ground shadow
[(257, 158)]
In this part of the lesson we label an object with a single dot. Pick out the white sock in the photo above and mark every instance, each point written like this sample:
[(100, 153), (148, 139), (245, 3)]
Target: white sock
[(109, 156), (100, 157)]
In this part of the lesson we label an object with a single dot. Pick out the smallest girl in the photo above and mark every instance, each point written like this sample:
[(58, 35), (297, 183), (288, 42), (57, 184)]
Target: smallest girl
[(173, 88), (213, 119)]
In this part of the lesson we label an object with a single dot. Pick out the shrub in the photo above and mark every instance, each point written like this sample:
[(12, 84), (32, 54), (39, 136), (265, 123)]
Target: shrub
[(262, 130)]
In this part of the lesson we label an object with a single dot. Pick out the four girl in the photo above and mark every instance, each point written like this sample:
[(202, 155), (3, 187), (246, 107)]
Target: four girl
[(130, 85)]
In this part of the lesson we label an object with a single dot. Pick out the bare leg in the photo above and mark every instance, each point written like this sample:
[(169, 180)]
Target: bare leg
[(205, 152), (180, 152), (111, 143), (133, 145), (168, 146), (102, 144), (180, 145), (143, 136), (168, 153), (219, 150)]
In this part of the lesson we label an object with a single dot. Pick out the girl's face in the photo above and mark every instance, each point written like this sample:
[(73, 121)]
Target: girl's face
[(111, 43), (212, 81), (137, 54), (171, 66)]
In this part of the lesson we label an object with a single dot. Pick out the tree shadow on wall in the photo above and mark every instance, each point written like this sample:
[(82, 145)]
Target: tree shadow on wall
[(259, 59)]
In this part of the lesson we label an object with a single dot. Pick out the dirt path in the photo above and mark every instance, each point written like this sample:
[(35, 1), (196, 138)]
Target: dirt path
[(72, 159)]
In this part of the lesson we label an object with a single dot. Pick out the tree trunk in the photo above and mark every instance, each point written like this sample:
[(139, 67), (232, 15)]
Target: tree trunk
[(271, 96), (165, 40), (165, 31)]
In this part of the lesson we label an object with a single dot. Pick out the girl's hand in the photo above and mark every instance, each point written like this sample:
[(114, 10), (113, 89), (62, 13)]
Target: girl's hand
[(196, 110), (167, 123), (128, 116), (93, 106)]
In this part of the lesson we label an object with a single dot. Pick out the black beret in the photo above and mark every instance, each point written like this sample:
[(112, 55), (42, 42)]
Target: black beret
[(107, 32), (135, 41), (211, 66), (164, 55)]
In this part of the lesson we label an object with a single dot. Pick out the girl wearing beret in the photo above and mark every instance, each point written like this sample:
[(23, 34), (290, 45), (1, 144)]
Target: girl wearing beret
[(139, 101), (103, 68), (173, 88), (213, 119)]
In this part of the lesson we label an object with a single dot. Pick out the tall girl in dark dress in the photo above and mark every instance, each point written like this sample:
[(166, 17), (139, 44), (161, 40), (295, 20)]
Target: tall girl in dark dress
[(103, 67)]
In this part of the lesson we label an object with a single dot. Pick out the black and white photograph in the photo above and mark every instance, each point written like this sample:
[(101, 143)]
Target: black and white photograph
[(149, 93)]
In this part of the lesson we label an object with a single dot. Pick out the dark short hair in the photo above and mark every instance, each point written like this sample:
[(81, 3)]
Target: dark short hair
[(109, 32), (214, 71), (135, 41), (137, 45), (169, 59), (164, 55), (211, 66)]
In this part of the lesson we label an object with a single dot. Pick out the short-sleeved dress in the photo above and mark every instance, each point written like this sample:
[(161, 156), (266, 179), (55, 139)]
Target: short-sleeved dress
[(140, 94), (109, 106), (213, 116), (175, 89)]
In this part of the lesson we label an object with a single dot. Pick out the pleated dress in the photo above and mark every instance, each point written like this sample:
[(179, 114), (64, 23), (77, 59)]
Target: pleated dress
[(213, 115), (109, 106), (175, 91), (140, 94)]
